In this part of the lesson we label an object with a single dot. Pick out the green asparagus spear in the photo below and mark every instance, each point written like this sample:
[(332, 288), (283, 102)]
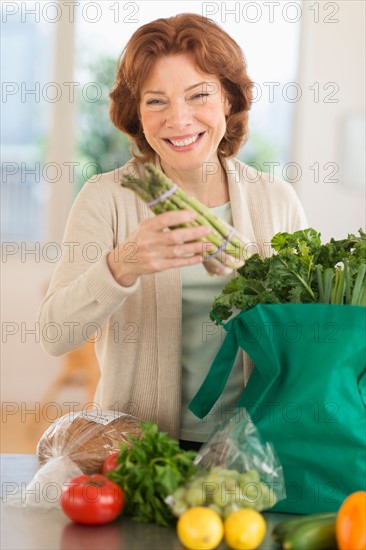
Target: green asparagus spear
[(155, 184)]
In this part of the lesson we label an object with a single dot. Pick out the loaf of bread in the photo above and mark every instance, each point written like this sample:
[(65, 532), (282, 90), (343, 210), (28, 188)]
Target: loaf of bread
[(87, 438)]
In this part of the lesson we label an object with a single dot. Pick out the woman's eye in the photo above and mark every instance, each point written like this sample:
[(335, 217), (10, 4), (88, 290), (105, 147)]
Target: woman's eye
[(201, 95), (154, 102)]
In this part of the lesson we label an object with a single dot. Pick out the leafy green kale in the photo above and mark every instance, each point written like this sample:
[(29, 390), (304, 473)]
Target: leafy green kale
[(152, 469), (301, 270)]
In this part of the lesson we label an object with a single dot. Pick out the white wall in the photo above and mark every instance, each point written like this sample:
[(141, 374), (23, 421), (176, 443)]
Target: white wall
[(330, 52), (26, 370)]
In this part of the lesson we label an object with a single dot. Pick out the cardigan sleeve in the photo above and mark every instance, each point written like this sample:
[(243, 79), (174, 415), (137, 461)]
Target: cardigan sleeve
[(82, 293)]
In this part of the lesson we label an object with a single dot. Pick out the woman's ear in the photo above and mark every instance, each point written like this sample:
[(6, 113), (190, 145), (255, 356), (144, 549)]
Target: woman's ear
[(227, 107)]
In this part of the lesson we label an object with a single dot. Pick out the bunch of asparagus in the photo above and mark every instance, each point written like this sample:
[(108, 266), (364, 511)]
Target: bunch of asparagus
[(221, 245)]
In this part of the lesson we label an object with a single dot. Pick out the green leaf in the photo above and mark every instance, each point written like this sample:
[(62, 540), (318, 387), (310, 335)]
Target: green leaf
[(301, 270), (150, 471)]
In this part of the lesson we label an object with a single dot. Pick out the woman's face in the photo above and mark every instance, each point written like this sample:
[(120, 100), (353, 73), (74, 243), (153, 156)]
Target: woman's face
[(183, 112)]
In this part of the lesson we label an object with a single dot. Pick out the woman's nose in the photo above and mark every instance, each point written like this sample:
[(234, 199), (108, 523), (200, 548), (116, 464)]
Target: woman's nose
[(178, 115)]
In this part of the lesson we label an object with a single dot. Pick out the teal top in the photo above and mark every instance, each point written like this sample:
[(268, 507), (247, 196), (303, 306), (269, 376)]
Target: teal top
[(201, 340)]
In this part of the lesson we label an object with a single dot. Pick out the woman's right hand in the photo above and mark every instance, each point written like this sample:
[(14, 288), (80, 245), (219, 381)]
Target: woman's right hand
[(153, 247)]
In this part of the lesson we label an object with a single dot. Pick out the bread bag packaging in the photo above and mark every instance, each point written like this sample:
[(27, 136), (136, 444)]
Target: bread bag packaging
[(87, 438), (75, 444)]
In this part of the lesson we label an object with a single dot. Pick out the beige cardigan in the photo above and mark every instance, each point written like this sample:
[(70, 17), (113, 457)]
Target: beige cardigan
[(138, 329)]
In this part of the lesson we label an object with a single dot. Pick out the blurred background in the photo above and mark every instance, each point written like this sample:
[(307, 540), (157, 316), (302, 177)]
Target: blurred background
[(58, 59)]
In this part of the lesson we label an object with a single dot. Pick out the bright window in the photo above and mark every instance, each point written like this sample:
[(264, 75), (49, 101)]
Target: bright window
[(27, 94)]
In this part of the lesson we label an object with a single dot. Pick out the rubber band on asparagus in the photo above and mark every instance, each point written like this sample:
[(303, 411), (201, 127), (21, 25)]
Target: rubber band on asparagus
[(221, 248), (163, 196)]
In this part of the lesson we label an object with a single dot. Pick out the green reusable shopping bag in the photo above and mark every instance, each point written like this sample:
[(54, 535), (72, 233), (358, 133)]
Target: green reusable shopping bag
[(306, 395)]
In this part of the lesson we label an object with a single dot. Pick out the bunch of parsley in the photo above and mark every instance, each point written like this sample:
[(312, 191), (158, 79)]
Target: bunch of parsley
[(152, 469), (301, 270)]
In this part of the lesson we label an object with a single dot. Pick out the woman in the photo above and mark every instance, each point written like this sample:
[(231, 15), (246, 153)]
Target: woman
[(182, 94)]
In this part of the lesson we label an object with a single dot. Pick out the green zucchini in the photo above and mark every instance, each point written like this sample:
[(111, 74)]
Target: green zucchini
[(285, 527), (315, 535)]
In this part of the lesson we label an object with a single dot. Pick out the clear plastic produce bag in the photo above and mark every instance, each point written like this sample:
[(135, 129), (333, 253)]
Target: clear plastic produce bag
[(236, 470), (75, 444)]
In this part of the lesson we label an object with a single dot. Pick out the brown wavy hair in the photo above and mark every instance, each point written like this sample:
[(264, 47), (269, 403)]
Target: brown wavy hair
[(214, 52)]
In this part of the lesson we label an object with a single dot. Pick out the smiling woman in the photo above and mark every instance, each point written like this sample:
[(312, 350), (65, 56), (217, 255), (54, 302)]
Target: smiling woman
[(196, 110), (182, 94), (216, 66)]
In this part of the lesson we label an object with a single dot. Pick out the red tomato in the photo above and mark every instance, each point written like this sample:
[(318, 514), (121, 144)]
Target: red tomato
[(92, 500), (110, 463)]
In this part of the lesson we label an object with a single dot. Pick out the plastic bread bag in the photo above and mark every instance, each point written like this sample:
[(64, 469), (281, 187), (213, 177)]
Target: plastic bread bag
[(236, 470), (75, 444)]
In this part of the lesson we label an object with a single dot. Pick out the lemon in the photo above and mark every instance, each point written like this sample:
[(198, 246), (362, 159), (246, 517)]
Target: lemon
[(244, 529), (200, 528)]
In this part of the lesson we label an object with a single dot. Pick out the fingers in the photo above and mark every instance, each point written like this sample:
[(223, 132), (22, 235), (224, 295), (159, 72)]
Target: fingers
[(181, 250), (183, 261), (214, 267), (186, 234), (175, 236), (160, 245), (171, 219)]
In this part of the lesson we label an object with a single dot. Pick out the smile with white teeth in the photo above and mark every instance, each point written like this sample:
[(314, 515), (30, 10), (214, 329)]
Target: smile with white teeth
[(184, 142)]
